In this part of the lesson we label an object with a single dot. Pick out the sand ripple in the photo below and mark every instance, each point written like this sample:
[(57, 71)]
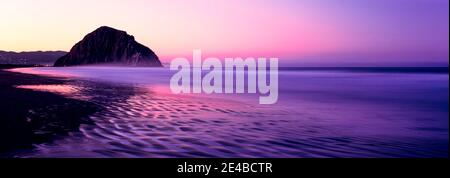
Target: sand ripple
[(142, 121)]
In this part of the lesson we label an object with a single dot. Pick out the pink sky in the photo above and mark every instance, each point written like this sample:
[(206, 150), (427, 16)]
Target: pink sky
[(310, 31)]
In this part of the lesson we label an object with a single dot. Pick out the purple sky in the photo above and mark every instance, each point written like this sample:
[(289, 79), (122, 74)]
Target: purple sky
[(299, 32)]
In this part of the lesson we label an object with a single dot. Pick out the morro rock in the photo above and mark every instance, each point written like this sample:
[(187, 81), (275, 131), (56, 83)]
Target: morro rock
[(107, 45)]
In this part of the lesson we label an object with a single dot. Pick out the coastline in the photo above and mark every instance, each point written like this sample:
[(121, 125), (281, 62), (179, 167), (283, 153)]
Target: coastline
[(29, 117), (325, 114)]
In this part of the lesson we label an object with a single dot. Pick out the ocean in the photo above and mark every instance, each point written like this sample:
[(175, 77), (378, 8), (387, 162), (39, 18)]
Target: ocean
[(321, 112)]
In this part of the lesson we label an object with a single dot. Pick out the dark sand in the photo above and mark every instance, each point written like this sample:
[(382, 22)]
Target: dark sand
[(320, 114), (28, 117)]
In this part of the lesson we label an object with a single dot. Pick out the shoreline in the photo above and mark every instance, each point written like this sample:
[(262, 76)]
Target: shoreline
[(30, 117), (139, 120)]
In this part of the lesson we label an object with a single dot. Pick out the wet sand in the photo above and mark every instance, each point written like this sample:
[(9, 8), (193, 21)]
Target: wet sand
[(368, 115), (31, 117)]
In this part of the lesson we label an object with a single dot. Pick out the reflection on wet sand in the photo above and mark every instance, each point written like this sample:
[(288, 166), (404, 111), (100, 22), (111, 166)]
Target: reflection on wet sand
[(148, 121), (142, 123), (319, 114), (59, 89)]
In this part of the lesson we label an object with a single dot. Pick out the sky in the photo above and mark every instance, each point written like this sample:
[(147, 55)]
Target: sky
[(298, 32)]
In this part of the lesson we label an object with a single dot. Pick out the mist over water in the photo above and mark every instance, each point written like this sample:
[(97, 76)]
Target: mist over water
[(320, 113)]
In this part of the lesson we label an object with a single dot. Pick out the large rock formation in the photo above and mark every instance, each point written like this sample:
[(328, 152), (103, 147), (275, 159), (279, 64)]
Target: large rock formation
[(109, 46)]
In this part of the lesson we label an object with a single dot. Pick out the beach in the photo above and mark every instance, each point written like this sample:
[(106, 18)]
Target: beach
[(130, 112), (30, 117)]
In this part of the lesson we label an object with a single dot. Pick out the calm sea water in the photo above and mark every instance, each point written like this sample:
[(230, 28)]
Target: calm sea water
[(320, 113)]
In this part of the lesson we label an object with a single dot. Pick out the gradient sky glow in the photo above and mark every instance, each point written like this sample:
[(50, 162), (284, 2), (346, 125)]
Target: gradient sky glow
[(322, 32)]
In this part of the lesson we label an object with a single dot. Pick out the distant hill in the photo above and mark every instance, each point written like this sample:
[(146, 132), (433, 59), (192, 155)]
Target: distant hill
[(30, 58), (107, 45)]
